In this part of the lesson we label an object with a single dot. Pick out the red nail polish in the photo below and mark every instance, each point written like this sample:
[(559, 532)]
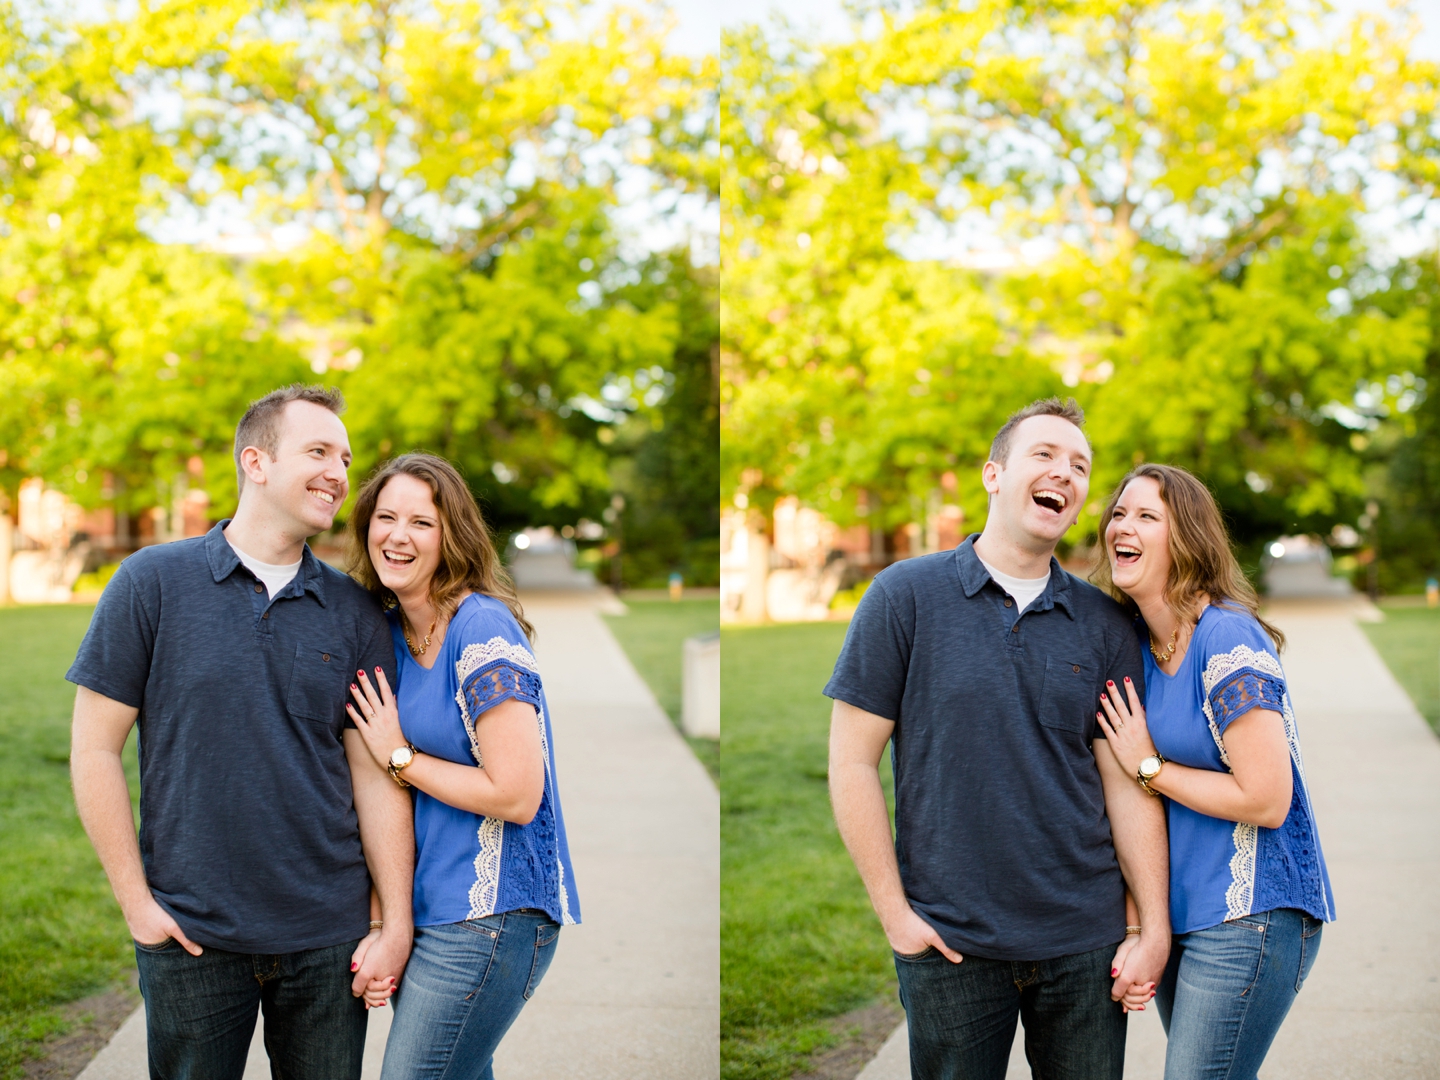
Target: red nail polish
[(1114, 972), (1127, 678), (354, 687), (360, 674), (354, 966), (377, 671)]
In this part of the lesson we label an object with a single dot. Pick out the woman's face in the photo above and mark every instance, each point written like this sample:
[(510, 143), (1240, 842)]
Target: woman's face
[(404, 539), (1137, 540)]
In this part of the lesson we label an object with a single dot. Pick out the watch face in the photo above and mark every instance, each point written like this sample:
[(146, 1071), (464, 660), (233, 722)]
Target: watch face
[(1149, 767), (401, 757)]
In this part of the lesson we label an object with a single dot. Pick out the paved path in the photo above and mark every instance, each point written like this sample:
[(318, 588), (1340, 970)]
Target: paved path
[(634, 992), (1371, 1007)]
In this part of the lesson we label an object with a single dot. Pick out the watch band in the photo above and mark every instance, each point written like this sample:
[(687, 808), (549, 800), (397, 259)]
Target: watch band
[(394, 770), (1145, 780)]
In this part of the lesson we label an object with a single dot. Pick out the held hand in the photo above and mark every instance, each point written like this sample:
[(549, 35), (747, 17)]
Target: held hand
[(377, 718), (152, 924), (358, 956), (1124, 726), (912, 935), (1140, 972), (378, 991), (384, 959)]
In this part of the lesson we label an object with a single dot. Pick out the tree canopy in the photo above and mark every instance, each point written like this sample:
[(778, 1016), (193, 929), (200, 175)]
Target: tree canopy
[(428, 201), (1178, 211)]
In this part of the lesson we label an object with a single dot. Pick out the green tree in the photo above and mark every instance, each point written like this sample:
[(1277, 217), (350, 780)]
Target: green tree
[(1179, 189)]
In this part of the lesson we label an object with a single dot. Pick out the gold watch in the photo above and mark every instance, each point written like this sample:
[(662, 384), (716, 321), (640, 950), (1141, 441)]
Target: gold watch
[(1149, 769), (399, 760)]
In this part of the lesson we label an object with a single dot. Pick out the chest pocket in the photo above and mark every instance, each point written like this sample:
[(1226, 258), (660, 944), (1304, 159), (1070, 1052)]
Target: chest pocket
[(317, 685), (1068, 699)]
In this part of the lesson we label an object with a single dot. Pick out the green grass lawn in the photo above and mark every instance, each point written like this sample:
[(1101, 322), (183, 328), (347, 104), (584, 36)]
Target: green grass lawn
[(1409, 642), (799, 943), (652, 635), (61, 934)]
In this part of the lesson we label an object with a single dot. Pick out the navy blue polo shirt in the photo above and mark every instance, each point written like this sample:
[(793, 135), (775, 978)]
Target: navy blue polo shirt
[(248, 830), (1000, 826)]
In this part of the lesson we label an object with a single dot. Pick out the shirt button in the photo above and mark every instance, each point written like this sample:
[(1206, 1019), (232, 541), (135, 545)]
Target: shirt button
[(326, 657), (258, 586), (1007, 601), (266, 615), (1015, 629), (1075, 668)]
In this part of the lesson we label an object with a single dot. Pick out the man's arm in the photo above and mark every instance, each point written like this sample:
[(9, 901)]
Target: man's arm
[(98, 732), (1137, 824), (387, 834), (857, 739)]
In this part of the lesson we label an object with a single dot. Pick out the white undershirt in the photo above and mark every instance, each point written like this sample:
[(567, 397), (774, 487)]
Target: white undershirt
[(1024, 590), (274, 577)]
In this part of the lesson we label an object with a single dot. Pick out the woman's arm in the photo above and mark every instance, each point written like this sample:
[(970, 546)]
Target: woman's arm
[(512, 781), (1258, 788)]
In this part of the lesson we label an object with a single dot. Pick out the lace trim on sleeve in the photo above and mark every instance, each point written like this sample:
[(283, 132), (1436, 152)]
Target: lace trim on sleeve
[(1235, 682)]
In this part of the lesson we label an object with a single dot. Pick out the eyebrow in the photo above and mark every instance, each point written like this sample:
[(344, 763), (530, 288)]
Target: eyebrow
[(1053, 446)]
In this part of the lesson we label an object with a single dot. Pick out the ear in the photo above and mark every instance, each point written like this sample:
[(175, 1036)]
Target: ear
[(253, 461), (990, 477)]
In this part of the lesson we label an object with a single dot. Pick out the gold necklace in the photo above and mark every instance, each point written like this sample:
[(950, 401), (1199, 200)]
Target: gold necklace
[(1169, 649), (424, 644)]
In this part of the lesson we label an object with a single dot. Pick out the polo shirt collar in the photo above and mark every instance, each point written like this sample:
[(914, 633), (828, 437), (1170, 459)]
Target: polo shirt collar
[(223, 561), (973, 577)]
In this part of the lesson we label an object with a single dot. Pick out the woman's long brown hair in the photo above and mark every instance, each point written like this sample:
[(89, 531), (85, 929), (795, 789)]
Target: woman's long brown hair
[(467, 554), (1201, 559)]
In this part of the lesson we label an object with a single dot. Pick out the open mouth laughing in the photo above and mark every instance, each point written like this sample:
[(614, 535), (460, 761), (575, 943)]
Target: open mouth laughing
[(397, 559), (1126, 555), (1049, 500)]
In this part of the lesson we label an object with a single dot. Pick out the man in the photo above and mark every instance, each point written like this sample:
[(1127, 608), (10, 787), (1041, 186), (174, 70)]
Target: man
[(248, 885), (1001, 894)]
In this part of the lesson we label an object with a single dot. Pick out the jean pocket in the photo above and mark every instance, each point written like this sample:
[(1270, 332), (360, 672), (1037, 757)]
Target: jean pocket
[(158, 947), (911, 958), (1068, 699), (1309, 948), (1236, 953), (546, 935)]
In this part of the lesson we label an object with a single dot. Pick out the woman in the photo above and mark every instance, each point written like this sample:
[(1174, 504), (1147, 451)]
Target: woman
[(468, 729), (1216, 737)]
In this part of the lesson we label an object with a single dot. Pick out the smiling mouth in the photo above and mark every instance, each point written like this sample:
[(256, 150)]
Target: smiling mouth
[(324, 496), (1125, 555), (396, 558), (1052, 501)]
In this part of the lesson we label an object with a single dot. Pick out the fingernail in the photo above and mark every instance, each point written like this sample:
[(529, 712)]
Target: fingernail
[(1102, 697), (377, 671), (1109, 682), (354, 687), (1127, 678), (1114, 972), (360, 674), (354, 966)]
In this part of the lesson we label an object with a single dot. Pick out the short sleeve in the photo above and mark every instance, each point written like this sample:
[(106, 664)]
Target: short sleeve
[(1123, 660), (496, 664), (870, 672), (1242, 671), (114, 657), (377, 651)]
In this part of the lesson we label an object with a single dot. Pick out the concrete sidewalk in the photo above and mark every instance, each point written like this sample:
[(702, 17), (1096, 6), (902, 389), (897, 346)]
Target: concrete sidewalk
[(1371, 1007), (634, 992)]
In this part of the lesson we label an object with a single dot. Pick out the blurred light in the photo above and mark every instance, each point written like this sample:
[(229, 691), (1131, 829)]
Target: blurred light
[(1277, 550), (522, 541)]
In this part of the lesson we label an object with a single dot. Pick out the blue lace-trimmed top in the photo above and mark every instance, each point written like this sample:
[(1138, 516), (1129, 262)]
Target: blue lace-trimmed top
[(1221, 870), (466, 865)]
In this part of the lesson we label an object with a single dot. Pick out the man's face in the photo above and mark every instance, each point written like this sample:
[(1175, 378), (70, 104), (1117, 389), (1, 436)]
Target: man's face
[(1039, 489), (307, 479)]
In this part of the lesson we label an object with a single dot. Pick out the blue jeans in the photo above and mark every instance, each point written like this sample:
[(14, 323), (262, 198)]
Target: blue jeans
[(1227, 989), (962, 1016), (464, 986), (200, 1012)]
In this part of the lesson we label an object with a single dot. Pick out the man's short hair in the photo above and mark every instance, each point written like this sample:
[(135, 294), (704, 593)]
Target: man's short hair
[(1068, 409), (260, 426)]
